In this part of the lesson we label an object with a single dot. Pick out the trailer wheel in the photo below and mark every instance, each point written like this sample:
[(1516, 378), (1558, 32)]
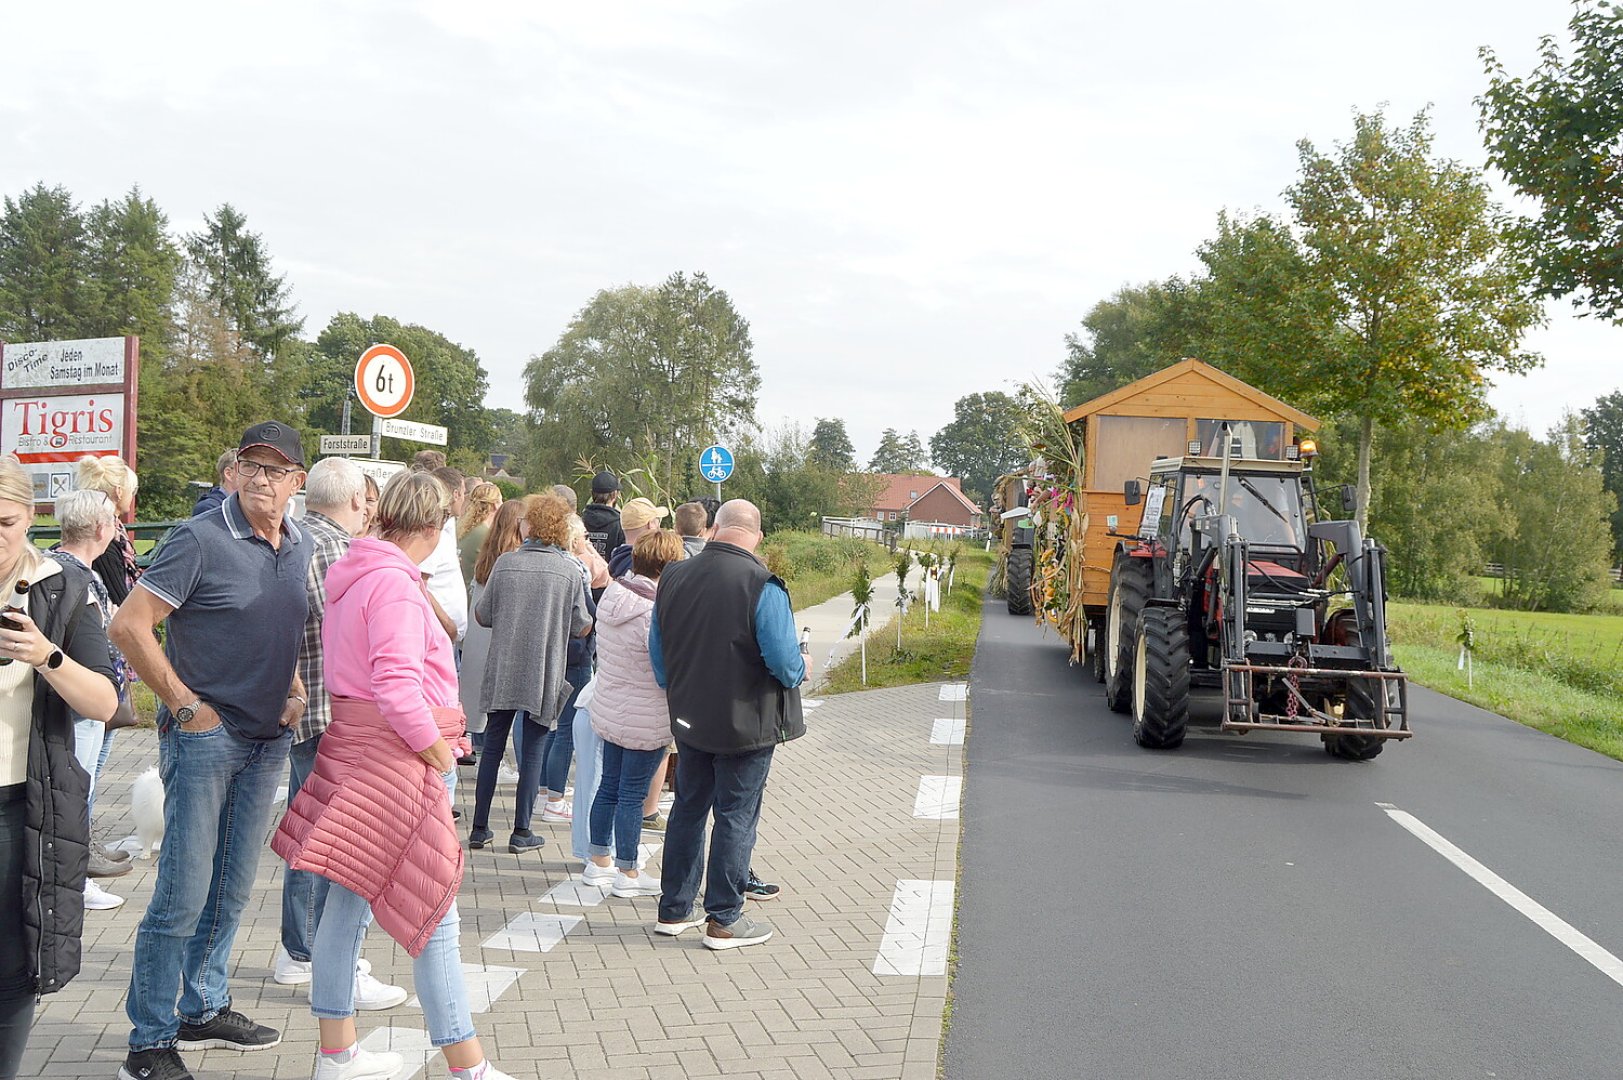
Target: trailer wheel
[(1017, 580), (1096, 652), (1130, 583), (1360, 705), (1161, 679)]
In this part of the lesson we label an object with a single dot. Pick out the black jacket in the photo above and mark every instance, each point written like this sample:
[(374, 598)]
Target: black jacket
[(722, 697), (58, 827), (603, 528)]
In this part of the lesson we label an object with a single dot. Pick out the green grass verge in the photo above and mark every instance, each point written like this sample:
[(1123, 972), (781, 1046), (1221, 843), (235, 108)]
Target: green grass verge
[(817, 567), (1529, 697), (942, 652)]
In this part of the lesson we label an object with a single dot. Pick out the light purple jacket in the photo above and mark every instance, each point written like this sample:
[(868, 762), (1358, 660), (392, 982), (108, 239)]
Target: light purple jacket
[(628, 707)]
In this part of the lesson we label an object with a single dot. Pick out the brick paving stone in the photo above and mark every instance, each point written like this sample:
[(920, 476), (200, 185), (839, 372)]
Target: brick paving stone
[(613, 999)]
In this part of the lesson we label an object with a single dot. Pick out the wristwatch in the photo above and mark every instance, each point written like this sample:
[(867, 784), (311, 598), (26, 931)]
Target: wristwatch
[(53, 661), (186, 713)]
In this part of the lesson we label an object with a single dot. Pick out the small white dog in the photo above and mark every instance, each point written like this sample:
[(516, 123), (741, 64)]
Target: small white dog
[(146, 806)]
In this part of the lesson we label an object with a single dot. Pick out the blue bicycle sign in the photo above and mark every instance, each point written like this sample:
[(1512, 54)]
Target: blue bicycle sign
[(716, 463)]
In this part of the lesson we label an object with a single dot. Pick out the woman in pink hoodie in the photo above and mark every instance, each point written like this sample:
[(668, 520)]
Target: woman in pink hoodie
[(630, 715), (375, 816)]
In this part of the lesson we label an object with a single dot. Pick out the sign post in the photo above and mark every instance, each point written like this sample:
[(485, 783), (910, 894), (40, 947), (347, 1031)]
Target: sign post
[(716, 463), (384, 383)]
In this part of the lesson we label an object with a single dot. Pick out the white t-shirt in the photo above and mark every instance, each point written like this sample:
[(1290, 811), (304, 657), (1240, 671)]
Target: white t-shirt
[(445, 582)]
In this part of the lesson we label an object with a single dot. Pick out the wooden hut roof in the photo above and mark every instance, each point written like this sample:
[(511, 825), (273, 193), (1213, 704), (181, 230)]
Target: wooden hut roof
[(1199, 369)]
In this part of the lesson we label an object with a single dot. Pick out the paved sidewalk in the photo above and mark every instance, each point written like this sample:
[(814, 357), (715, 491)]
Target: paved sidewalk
[(572, 984), (830, 619)]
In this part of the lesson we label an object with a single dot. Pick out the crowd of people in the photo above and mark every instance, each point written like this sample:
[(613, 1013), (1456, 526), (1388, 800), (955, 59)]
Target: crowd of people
[(403, 635)]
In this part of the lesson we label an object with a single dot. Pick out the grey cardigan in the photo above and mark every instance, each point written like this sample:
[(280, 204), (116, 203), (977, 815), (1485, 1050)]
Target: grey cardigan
[(533, 603)]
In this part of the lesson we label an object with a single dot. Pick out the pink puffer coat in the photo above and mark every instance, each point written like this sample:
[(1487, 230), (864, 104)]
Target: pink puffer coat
[(628, 708)]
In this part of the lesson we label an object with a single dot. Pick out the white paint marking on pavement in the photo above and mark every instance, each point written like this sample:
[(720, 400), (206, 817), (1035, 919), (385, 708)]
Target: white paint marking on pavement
[(410, 1043), (646, 852), (485, 983), (530, 932), (1543, 917), (577, 893), (947, 733), (938, 797), (918, 930), (954, 692)]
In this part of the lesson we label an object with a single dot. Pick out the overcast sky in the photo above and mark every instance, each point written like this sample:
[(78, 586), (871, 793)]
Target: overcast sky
[(909, 201)]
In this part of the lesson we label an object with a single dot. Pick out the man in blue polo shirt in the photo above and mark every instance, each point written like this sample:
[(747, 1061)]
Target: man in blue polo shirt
[(231, 588)]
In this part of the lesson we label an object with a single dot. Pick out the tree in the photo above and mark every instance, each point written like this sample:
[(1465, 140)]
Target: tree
[(913, 452), (982, 442), (897, 453), (1408, 256), (235, 273), (133, 267), (1136, 332), (830, 447), (644, 373), (1603, 434), (1554, 134), (44, 294)]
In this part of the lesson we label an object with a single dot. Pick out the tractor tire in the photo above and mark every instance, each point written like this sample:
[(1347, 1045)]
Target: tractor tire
[(1017, 580), (1096, 655), (1161, 679), (1130, 583), (1360, 705)]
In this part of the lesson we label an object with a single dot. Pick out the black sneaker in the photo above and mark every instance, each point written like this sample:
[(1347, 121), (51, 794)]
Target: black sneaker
[(479, 838), (756, 889), (230, 1030), (160, 1064), (524, 840)]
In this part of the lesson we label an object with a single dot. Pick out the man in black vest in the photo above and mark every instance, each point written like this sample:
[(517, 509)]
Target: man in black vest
[(723, 645)]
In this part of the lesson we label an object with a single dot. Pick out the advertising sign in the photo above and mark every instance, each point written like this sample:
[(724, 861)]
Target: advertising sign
[(61, 400)]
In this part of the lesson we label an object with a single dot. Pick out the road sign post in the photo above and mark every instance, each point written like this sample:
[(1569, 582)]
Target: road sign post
[(716, 464)]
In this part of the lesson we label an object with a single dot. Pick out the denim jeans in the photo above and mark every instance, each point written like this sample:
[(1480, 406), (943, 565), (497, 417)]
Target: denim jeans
[(437, 973), (561, 746), (88, 735), (490, 760), (621, 789), (730, 786), (16, 969), (303, 893), (101, 755), (217, 804), (588, 767)]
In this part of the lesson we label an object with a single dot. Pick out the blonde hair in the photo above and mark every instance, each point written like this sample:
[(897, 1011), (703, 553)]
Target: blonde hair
[(656, 550), (412, 503), (482, 503), (577, 530), (109, 475), (548, 518), (17, 486), (502, 538)]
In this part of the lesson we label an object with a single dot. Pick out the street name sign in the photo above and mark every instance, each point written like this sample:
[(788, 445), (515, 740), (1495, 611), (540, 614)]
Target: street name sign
[(413, 431), (346, 444)]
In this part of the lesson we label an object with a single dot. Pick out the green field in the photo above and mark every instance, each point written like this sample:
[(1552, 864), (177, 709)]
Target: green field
[(816, 567)]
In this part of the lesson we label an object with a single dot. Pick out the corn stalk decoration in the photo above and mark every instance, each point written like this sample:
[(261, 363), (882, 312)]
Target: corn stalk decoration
[(1056, 514)]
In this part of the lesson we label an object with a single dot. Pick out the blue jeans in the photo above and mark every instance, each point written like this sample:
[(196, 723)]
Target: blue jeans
[(561, 744), (217, 804), (730, 786), (303, 893), (588, 767), (490, 760), (437, 973), (621, 789)]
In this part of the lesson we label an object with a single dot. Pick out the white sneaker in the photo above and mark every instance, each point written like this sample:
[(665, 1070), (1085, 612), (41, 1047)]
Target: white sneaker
[(358, 1064), (373, 995), (99, 899), (482, 1071), (598, 875), (641, 885), (291, 972), (506, 774), (558, 811)]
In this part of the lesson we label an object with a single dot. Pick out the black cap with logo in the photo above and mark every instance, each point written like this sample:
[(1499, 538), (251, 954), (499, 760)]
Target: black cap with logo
[(279, 437), (604, 482)]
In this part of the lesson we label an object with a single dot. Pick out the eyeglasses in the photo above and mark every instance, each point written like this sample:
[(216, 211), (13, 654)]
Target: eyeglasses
[(247, 468)]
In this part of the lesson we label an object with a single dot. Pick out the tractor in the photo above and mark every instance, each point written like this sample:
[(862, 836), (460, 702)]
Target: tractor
[(1233, 581), (1016, 540)]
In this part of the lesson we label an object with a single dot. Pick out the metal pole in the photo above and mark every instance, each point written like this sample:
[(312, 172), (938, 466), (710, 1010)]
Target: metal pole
[(377, 438), (344, 425)]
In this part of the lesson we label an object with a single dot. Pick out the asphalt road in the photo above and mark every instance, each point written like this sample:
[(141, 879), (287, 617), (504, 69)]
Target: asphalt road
[(1242, 907)]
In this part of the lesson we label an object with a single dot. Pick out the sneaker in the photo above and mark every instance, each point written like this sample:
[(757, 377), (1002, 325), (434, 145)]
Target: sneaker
[(110, 853), (288, 971), (675, 929), (524, 840), (160, 1064), (373, 995), (480, 838), (594, 874), (229, 1030), (506, 774), (557, 811), (746, 931), (99, 899), (482, 1071), (101, 866), (641, 885), (756, 889), (654, 822), (357, 1064)]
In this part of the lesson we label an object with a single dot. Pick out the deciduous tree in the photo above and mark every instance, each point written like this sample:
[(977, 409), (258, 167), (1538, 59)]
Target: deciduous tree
[(1137, 331), (982, 443), (1603, 434)]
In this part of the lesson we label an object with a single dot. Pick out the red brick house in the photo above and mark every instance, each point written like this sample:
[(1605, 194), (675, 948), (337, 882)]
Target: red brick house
[(924, 498)]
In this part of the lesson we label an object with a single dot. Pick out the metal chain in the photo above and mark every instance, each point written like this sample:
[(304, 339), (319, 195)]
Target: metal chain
[(1295, 681)]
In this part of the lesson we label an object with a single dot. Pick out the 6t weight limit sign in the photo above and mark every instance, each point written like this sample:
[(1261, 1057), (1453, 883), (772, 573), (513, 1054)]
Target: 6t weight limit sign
[(384, 382)]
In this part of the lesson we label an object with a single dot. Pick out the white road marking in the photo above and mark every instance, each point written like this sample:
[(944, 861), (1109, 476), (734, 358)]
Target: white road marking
[(938, 797), (485, 983), (530, 932), (410, 1043), (918, 931), (955, 692), (577, 893), (1543, 917), (947, 733)]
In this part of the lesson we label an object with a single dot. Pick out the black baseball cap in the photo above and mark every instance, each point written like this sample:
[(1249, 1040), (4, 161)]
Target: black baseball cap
[(604, 482), (279, 437)]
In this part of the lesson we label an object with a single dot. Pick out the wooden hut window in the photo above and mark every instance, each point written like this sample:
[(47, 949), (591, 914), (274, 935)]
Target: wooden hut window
[(1263, 439), (1126, 445)]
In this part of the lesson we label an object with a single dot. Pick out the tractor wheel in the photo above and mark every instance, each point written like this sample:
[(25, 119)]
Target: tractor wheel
[(1017, 580), (1161, 679), (1096, 654), (1130, 583), (1360, 705)]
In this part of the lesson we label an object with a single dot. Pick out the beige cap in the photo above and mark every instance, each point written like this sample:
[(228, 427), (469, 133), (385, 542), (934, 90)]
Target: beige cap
[(640, 512)]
